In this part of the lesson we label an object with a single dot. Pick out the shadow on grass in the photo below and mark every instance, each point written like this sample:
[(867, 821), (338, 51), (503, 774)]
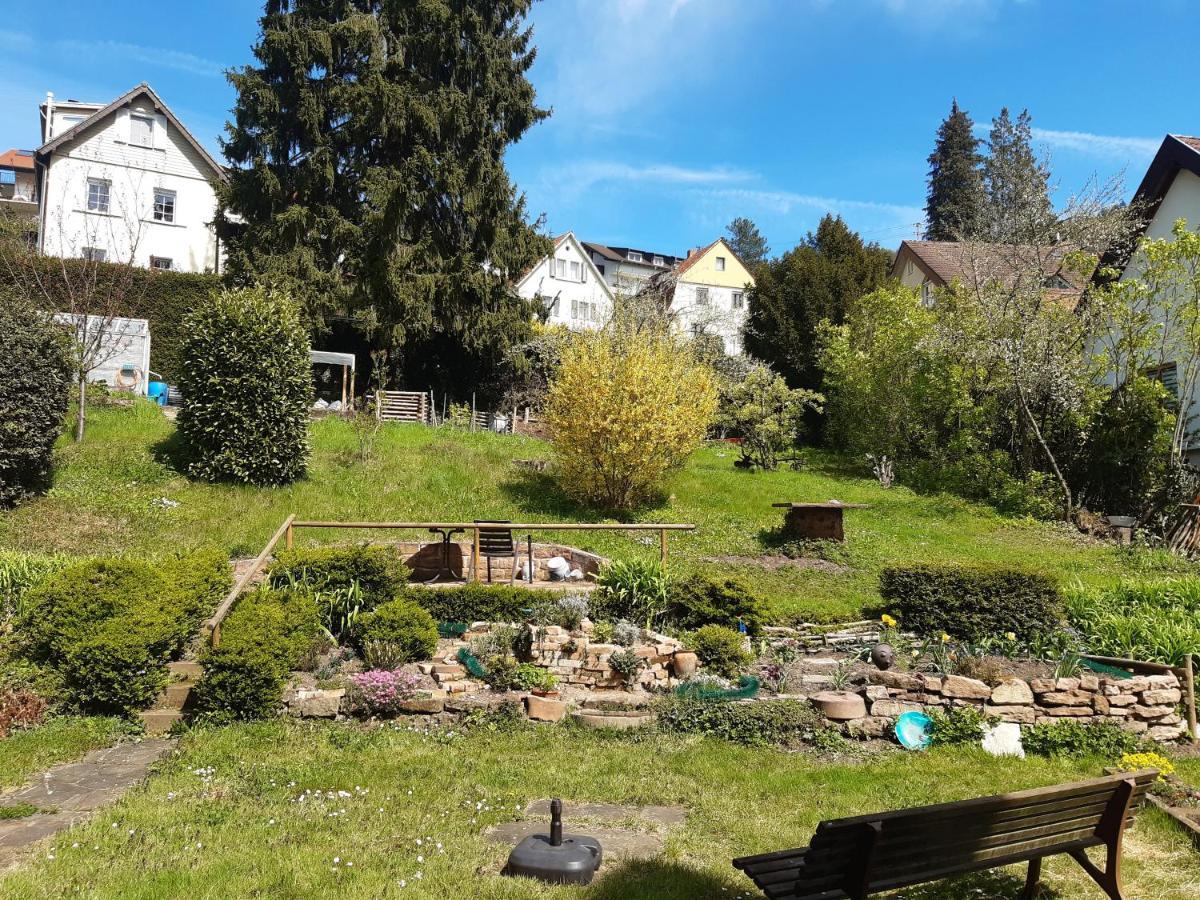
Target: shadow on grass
[(540, 493), (992, 884), (660, 880), (171, 452)]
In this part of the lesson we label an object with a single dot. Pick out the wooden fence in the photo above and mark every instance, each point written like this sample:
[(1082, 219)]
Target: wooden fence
[(286, 533), (402, 406)]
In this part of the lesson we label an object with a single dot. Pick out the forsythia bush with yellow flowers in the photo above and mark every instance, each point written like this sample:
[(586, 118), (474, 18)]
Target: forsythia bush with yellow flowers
[(626, 406)]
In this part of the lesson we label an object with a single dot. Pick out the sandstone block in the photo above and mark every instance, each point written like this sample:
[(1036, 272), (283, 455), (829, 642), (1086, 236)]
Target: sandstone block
[(685, 664), (543, 709), (1067, 698), (1122, 700), (891, 709), (425, 705), (1069, 711), (877, 692), (1165, 680), (1134, 685), (1024, 715), (1152, 712), (1012, 692), (1089, 683), (959, 686), (1042, 685), (868, 727), (316, 704), (1162, 696), (1164, 733)]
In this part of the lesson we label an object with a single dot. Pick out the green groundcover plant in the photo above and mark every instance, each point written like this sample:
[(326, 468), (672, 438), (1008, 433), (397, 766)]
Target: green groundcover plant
[(1153, 621)]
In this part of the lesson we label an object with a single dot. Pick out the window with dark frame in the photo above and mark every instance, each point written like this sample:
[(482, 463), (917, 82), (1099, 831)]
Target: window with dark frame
[(95, 254), (162, 262), (720, 263)]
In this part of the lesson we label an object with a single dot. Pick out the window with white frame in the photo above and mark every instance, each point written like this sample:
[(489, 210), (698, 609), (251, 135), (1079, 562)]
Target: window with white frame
[(634, 256), (97, 195), (551, 304), (66, 123), (164, 205), (658, 261), (141, 130), (702, 296), (583, 311), (738, 300), (161, 262), (575, 271), (720, 263), (558, 268), (95, 254)]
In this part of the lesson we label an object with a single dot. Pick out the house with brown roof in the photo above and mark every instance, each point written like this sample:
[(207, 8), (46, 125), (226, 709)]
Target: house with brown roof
[(126, 182), (570, 288), (18, 183), (627, 269)]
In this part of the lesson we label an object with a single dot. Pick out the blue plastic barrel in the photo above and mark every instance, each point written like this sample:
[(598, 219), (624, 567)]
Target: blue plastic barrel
[(157, 391)]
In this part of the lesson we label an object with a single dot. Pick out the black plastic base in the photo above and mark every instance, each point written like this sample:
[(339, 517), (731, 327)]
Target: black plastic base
[(574, 861)]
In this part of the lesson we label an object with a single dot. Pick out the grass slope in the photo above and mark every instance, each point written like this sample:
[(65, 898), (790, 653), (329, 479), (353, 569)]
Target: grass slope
[(105, 493), (221, 819)]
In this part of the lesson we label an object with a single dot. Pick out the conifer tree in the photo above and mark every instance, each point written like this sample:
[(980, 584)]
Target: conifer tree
[(1016, 183), (747, 241), (954, 203), (367, 153)]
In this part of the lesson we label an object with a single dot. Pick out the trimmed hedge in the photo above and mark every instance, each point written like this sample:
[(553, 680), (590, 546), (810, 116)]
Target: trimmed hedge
[(35, 381), (969, 603), (108, 627), (403, 624), (698, 601), (720, 650), (262, 640), (479, 602), (379, 572), (247, 386)]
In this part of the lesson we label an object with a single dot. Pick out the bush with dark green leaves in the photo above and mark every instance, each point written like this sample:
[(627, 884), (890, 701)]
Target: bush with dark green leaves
[(958, 725), (35, 383), (1106, 740), (699, 600), (403, 624), (721, 651), (263, 639), (109, 627), (200, 581), (785, 723), (476, 602), (247, 387), (378, 571), (970, 603)]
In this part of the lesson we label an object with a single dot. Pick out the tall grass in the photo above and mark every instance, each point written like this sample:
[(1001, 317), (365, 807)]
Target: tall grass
[(1153, 621), (19, 572)]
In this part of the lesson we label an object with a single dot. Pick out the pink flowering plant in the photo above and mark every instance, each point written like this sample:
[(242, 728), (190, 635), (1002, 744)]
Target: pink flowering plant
[(380, 692)]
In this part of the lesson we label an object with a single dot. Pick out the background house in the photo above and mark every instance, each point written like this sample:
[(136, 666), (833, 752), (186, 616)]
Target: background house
[(625, 269), (126, 182), (18, 183), (569, 286), (706, 293)]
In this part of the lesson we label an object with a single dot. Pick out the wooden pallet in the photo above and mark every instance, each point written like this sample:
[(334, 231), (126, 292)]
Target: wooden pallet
[(402, 406)]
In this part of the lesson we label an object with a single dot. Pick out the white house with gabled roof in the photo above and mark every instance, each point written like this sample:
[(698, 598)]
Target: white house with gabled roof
[(569, 286), (126, 182)]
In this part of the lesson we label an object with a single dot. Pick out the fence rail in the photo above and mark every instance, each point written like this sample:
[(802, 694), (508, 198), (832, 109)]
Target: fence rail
[(286, 533)]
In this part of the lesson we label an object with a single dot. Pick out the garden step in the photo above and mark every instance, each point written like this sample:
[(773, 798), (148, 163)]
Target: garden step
[(174, 697), (185, 671), (159, 721)]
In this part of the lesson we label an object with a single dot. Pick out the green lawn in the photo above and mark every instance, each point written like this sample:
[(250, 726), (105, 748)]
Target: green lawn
[(221, 818), (60, 740), (104, 493)]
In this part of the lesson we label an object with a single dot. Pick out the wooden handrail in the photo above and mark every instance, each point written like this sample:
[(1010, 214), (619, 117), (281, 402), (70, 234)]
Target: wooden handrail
[(509, 526), (213, 625)]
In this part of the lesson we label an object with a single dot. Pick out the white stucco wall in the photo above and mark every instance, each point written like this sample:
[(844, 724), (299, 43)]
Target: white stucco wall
[(128, 232), (718, 317), (581, 301)]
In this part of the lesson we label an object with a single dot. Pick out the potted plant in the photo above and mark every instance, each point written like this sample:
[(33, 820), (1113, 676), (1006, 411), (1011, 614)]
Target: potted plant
[(547, 686)]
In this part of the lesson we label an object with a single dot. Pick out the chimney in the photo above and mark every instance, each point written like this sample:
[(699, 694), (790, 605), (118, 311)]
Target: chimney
[(49, 116)]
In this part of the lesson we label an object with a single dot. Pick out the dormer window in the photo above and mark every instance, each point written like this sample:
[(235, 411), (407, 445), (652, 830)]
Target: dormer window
[(720, 263), (634, 256), (658, 261), (141, 130)]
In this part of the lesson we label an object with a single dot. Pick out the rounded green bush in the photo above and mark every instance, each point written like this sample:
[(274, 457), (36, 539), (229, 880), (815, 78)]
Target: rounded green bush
[(247, 389), (720, 650), (403, 624), (698, 601), (378, 571), (34, 386)]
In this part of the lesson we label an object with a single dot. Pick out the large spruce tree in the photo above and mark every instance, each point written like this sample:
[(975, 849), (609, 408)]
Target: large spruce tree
[(1016, 182), (795, 292), (367, 165), (747, 241), (954, 204)]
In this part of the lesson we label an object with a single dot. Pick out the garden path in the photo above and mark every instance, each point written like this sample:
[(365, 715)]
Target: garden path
[(69, 793)]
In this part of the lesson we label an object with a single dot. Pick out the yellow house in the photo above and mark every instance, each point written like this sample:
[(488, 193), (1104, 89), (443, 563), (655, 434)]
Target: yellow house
[(710, 293)]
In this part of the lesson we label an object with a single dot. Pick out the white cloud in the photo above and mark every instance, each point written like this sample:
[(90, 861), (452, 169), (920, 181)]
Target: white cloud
[(26, 44), (1100, 145), (588, 173), (786, 202)]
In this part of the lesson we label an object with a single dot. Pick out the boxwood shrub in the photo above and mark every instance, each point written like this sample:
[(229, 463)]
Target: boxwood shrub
[(108, 627), (477, 602), (699, 600), (404, 625), (720, 650), (264, 638), (34, 384), (247, 387), (379, 572), (969, 603)]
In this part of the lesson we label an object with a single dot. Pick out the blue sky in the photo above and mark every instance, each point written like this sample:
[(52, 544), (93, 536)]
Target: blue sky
[(673, 116)]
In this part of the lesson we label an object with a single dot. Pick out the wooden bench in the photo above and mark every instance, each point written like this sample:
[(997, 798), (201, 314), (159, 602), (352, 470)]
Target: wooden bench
[(866, 855)]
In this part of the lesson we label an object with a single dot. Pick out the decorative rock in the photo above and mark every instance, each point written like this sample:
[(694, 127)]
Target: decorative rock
[(1101, 705), (1134, 685), (1122, 700), (1166, 732), (1012, 692), (316, 704), (1152, 712), (959, 686), (868, 727), (1162, 696), (877, 692), (1066, 684), (543, 709), (684, 664), (891, 709), (840, 706), (883, 656), (1164, 680), (426, 705), (899, 680), (1042, 685), (1089, 683), (1067, 698), (1024, 715), (1068, 711)]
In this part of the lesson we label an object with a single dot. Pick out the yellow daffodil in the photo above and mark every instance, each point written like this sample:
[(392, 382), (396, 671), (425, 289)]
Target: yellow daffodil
[(1011, 635), (945, 638), (887, 620)]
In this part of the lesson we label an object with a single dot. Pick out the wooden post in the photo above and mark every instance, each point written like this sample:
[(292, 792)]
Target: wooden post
[(1189, 682), (475, 554), (288, 542), (662, 547), (472, 410), (353, 372), (216, 636), (345, 374)]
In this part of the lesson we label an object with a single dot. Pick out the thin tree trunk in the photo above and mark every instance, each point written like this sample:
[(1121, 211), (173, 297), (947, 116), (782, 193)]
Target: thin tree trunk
[(81, 412), (1068, 500)]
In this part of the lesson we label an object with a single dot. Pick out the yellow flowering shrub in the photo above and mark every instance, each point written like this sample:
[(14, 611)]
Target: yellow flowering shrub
[(626, 407), (1133, 762)]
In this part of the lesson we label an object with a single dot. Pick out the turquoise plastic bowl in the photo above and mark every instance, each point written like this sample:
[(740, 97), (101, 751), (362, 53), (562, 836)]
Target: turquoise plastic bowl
[(913, 730)]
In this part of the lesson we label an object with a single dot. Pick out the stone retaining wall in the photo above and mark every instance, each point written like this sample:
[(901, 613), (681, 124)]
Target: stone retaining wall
[(425, 559), (1144, 704)]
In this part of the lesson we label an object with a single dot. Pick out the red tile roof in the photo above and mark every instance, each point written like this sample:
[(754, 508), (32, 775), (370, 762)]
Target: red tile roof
[(1193, 142), (17, 159)]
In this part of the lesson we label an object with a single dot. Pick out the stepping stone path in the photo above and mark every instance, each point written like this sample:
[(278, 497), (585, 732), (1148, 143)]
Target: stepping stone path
[(73, 791), (625, 832)]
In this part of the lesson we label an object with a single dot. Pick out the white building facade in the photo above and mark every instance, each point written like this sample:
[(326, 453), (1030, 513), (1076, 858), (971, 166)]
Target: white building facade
[(126, 182), (569, 286), (625, 269), (709, 295)]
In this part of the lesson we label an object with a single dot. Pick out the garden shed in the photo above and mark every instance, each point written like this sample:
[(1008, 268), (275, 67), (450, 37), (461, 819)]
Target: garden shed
[(333, 378), (119, 349)]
